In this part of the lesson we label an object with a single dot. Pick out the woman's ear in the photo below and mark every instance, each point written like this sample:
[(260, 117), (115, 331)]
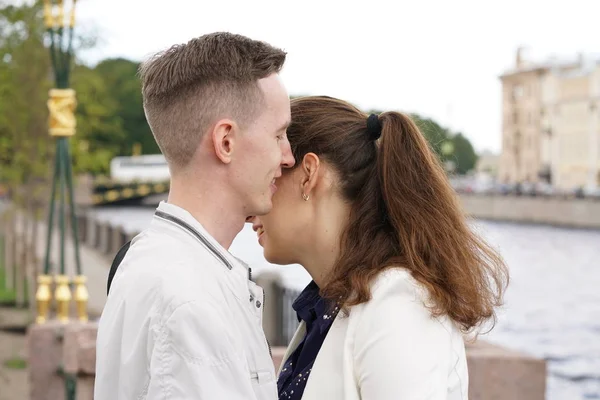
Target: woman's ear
[(310, 169)]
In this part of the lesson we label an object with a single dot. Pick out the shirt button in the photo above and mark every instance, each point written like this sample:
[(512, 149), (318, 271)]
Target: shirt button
[(258, 303)]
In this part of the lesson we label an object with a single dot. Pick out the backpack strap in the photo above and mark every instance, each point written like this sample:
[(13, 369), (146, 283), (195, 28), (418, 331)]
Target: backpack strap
[(115, 264)]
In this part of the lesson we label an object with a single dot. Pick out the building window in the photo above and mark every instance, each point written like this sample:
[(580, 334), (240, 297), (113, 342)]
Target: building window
[(518, 91), (515, 117)]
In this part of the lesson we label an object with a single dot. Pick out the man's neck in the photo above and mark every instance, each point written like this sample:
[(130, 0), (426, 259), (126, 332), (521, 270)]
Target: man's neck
[(214, 209)]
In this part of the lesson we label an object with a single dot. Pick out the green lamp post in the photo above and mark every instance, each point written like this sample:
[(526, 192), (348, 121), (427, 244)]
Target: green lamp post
[(62, 123)]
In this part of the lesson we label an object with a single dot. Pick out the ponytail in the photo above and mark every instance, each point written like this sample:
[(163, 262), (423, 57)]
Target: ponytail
[(435, 241)]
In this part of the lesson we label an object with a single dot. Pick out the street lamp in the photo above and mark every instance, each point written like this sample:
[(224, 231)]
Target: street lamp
[(62, 124)]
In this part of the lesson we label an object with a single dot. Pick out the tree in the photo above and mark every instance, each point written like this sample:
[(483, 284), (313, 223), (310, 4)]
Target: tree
[(100, 134), (120, 76), (464, 154), (24, 71), (433, 132), (24, 143), (451, 148)]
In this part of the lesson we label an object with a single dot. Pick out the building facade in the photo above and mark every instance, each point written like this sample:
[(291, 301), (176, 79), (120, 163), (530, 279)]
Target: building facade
[(551, 123)]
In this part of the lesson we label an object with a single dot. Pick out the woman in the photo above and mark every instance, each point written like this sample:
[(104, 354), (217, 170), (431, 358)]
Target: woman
[(398, 276)]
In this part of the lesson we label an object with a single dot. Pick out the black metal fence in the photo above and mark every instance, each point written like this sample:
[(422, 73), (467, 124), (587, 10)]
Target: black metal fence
[(286, 318)]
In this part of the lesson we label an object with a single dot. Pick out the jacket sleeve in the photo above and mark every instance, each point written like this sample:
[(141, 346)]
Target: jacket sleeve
[(194, 359), (400, 351)]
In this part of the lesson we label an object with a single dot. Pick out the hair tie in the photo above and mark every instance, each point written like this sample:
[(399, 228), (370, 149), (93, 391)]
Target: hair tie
[(373, 127)]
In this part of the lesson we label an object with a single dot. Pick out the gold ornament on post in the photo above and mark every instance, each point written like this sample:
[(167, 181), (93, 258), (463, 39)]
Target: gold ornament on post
[(60, 16), (48, 19), (43, 297), (72, 21), (57, 19), (81, 297), (62, 104), (63, 297)]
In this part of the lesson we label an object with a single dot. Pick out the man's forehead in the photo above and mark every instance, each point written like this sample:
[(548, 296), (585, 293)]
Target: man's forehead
[(272, 85), (286, 123)]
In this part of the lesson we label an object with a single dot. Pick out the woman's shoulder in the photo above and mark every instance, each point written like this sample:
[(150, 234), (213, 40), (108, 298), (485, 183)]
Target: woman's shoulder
[(396, 290), (399, 302), (398, 281), (395, 286)]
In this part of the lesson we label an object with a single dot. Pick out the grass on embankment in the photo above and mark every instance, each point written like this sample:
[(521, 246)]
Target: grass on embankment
[(7, 296)]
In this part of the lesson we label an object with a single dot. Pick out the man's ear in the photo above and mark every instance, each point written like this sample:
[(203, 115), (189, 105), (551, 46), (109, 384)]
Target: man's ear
[(224, 135), (310, 168)]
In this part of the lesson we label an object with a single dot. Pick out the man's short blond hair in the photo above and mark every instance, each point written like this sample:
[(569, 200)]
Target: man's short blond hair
[(188, 87)]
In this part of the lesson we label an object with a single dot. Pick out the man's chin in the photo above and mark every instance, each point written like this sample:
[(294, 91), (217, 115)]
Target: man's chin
[(264, 208)]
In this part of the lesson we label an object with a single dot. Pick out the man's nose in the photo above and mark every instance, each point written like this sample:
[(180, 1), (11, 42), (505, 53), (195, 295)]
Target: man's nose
[(250, 219), (287, 161)]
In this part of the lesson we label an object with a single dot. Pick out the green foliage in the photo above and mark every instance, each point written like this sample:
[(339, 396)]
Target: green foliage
[(99, 127), (6, 296), (120, 76), (24, 71), (15, 363), (451, 148), (464, 154), (110, 116)]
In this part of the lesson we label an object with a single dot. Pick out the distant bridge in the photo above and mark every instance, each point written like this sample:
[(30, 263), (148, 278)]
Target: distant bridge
[(131, 180), (110, 192)]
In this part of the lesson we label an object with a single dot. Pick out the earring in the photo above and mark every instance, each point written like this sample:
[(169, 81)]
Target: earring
[(305, 197)]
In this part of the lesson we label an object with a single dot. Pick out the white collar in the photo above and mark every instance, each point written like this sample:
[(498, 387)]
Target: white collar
[(235, 264)]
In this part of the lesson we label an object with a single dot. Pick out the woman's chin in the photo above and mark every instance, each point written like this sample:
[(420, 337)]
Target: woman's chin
[(277, 259)]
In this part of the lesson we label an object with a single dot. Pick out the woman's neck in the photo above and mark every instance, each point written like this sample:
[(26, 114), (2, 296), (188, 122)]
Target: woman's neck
[(323, 244)]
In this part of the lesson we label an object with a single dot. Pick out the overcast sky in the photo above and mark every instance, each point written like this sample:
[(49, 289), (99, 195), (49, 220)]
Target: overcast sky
[(440, 58)]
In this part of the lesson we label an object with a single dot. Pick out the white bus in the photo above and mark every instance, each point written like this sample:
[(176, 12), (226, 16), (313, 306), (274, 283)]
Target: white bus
[(146, 168)]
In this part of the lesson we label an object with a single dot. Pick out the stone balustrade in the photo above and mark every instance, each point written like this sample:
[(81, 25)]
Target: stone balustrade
[(54, 349)]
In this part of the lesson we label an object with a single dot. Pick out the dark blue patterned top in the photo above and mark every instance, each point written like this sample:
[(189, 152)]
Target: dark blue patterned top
[(312, 309)]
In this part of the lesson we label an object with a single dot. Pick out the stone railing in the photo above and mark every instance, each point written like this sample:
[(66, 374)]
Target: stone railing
[(56, 349), (573, 213)]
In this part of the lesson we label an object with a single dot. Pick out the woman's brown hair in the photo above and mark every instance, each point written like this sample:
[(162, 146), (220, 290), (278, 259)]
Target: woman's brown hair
[(403, 212)]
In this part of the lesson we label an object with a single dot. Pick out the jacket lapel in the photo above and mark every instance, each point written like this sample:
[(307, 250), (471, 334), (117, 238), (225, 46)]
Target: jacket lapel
[(296, 340), (327, 378)]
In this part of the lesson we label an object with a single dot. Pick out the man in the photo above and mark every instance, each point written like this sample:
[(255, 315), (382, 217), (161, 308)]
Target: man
[(183, 320)]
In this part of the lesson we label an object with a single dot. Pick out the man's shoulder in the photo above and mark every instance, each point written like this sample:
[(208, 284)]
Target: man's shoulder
[(167, 270), (154, 250)]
